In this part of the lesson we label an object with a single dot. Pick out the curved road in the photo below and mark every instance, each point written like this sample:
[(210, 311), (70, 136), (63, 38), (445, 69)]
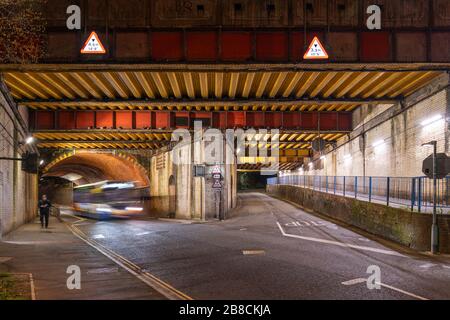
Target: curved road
[(270, 249)]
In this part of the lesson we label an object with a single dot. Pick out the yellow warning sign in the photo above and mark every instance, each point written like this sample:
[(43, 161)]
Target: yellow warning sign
[(93, 45), (316, 50)]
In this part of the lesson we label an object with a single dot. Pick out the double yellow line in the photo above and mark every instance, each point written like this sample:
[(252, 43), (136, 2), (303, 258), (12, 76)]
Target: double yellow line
[(162, 287)]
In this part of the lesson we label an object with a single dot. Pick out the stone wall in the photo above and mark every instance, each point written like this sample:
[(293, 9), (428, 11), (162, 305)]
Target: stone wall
[(176, 192), (18, 190), (407, 228)]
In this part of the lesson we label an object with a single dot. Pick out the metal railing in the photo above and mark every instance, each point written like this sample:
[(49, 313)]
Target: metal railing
[(415, 193)]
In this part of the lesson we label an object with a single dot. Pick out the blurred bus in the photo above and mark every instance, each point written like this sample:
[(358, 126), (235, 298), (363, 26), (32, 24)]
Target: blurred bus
[(110, 199)]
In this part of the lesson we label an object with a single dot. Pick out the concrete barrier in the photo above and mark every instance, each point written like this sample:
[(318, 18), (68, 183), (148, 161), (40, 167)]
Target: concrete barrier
[(408, 228)]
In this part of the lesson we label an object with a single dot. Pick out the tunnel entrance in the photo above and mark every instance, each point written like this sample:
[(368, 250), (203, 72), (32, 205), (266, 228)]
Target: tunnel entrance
[(88, 168)]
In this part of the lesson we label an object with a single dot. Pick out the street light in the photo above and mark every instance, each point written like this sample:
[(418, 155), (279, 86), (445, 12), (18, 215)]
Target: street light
[(434, 227), (29, 140)]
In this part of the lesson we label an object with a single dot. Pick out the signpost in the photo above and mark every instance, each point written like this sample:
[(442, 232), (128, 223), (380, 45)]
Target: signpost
[(436, 166)]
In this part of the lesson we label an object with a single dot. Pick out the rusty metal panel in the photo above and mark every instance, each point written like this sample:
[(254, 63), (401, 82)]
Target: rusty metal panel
[(411, 46), (66, 120), (236, 46), (271, 46), (440, 46), (56, 11), (402, 13), (314, 10), (45, 120), (343, 46), (143, 119), (132, 45), (376, 47), (167, 46), (104, 119), (441, 15), (62, 45), (239, 13), (97, 11), (127, 13), (183, 13), (271, 13), (201, 46), (344, 13)]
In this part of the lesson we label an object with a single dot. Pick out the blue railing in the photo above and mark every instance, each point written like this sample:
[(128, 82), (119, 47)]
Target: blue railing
[(415, 193)]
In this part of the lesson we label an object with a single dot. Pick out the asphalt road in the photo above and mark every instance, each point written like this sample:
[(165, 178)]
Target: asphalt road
[(270, 249)]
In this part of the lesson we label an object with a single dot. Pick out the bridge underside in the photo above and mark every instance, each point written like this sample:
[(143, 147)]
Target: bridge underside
[(139, 106)]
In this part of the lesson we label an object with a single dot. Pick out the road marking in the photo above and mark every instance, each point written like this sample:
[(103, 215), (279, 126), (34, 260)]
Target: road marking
[(446, 267), (253, 252), (143, 233), (157, 284), (354, 281), (103, 270), (427, 265), (340, 244), (361, 280)]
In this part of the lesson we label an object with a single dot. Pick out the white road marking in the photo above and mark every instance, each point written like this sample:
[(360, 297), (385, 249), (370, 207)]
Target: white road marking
[(98, 236), (146, 277), (103, 270), (446, 267), (361, 280), (253, 252), (142, 233), (354, 281), (427, 265), (340, 244)]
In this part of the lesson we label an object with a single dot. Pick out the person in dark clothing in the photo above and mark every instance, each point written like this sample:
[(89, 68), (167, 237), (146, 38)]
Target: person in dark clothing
[(44, 211)]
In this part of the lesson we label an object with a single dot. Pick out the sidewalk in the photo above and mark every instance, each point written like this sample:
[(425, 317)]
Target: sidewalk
[(48, 253)]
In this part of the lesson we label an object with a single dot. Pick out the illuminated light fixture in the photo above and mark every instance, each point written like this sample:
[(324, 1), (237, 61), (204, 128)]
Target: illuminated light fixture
[(136, 209), (41, 162), (378, 143), (431, 120), (29, 140), (103, 210)]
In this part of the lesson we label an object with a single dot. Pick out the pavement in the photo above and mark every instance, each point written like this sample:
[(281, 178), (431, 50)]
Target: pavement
[(268, 249), (48, 253)]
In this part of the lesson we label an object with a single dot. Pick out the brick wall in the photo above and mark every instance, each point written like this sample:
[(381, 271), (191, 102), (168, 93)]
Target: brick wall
[(399, 152), (18, 190)]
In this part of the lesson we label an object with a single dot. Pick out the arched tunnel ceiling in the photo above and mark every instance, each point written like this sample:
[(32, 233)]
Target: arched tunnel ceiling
[(94, 167)]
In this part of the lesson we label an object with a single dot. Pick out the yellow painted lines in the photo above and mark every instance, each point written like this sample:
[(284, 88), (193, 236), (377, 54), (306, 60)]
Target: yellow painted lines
[(149, 279)]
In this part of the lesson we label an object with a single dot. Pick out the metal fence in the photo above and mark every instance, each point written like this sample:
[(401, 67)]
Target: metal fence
[(415, 193)]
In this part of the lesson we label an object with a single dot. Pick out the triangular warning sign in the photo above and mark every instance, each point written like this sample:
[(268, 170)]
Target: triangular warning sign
[(93, 45), (316, 50)]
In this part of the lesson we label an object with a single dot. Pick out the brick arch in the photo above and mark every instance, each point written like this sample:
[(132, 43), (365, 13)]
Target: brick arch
[(93, 167)]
